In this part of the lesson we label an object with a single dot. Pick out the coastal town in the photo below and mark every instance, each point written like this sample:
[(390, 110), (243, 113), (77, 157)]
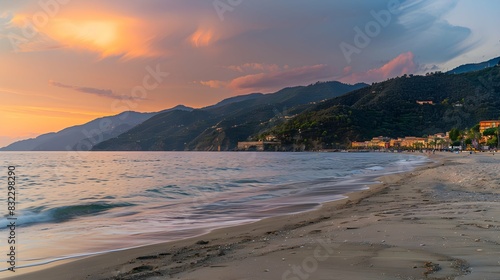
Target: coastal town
[(482, 137)]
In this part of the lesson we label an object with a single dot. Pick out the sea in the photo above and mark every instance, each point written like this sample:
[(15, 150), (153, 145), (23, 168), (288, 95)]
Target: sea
[(76, 204)]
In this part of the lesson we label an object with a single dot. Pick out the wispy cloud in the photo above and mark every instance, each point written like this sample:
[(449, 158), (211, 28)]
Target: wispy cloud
[(402, 64), (214, 83), (96, 91), (90, 90), (255, 66), (279, 79), (272, 78)]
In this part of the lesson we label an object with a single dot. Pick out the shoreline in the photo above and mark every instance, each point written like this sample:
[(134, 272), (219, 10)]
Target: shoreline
[(336, 190), (33, 271), (362, 228)]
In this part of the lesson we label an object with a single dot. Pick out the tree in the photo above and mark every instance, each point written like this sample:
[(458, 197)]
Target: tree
[(490, 132), (454, 134), (492, 142), (432, 144), (475, 128), (441, 142)]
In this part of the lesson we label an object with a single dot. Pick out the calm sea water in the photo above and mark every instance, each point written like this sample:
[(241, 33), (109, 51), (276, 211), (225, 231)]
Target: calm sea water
[(73, 204)]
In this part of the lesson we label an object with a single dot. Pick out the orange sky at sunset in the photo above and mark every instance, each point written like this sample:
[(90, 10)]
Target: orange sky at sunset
[(69, 62)]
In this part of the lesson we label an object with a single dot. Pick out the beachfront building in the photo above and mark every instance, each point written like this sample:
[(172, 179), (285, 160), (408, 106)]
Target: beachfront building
[(396, 143), (484, 125), (414, 142), (360, 145), (436, 141), (380, 142), (259, 146)]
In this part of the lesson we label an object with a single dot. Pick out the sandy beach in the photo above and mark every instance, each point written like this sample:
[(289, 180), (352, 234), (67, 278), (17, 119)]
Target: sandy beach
[(437, 222)]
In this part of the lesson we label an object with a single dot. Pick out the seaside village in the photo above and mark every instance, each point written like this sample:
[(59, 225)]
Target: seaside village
[(439, 141)]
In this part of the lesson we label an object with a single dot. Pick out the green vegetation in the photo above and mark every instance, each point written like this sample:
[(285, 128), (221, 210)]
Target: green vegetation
[(223, 125), (454, 134), (390, 109), (323, 116), (473, 139)]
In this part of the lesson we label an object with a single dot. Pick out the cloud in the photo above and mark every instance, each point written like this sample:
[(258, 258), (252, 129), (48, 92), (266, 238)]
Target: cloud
[(104, 32), (402, 64), (203, 37), (158, 28), (255, 66), (21, 37), (274, 77), (425, 21), (95, 91), (214, 83), (279, 79)]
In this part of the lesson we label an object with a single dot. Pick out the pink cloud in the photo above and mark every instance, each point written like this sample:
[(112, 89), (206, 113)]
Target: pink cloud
[(403, 64), (255, 66), (278, 79), (213, 83)]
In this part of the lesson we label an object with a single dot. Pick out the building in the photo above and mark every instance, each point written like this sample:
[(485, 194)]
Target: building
[(376, 143), (436, 141), (396, 143), (484, 125), (380, 142), (259, 146), (360, 145), (414, 142), (422, 102), (271, 138)]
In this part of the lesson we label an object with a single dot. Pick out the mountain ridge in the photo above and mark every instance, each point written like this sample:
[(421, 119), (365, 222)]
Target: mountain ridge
[(83, 137), (391, 108), (250, 116), (211, 128), (469, 67)]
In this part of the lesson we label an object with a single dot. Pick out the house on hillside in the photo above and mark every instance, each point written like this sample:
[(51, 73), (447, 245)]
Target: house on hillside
[(425, 102)]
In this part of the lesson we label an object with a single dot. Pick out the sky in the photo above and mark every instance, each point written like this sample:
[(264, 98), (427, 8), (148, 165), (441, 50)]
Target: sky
[(66, 62)]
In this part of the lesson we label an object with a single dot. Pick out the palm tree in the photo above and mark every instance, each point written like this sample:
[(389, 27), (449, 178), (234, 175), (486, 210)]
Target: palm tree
[(441, 142), (433, 143)]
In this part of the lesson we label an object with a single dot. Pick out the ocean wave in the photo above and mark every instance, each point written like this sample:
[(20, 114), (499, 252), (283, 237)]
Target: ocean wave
[(60, 214)]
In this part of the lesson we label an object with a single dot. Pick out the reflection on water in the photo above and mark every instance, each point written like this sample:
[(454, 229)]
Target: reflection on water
[(81, 203)]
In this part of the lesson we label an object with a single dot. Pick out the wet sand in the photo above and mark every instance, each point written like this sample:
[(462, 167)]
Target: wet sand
[(437, 222)]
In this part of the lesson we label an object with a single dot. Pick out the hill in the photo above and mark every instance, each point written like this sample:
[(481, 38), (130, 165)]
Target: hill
[(475, 66), (224, 124), (84, 137), (390, 109)]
